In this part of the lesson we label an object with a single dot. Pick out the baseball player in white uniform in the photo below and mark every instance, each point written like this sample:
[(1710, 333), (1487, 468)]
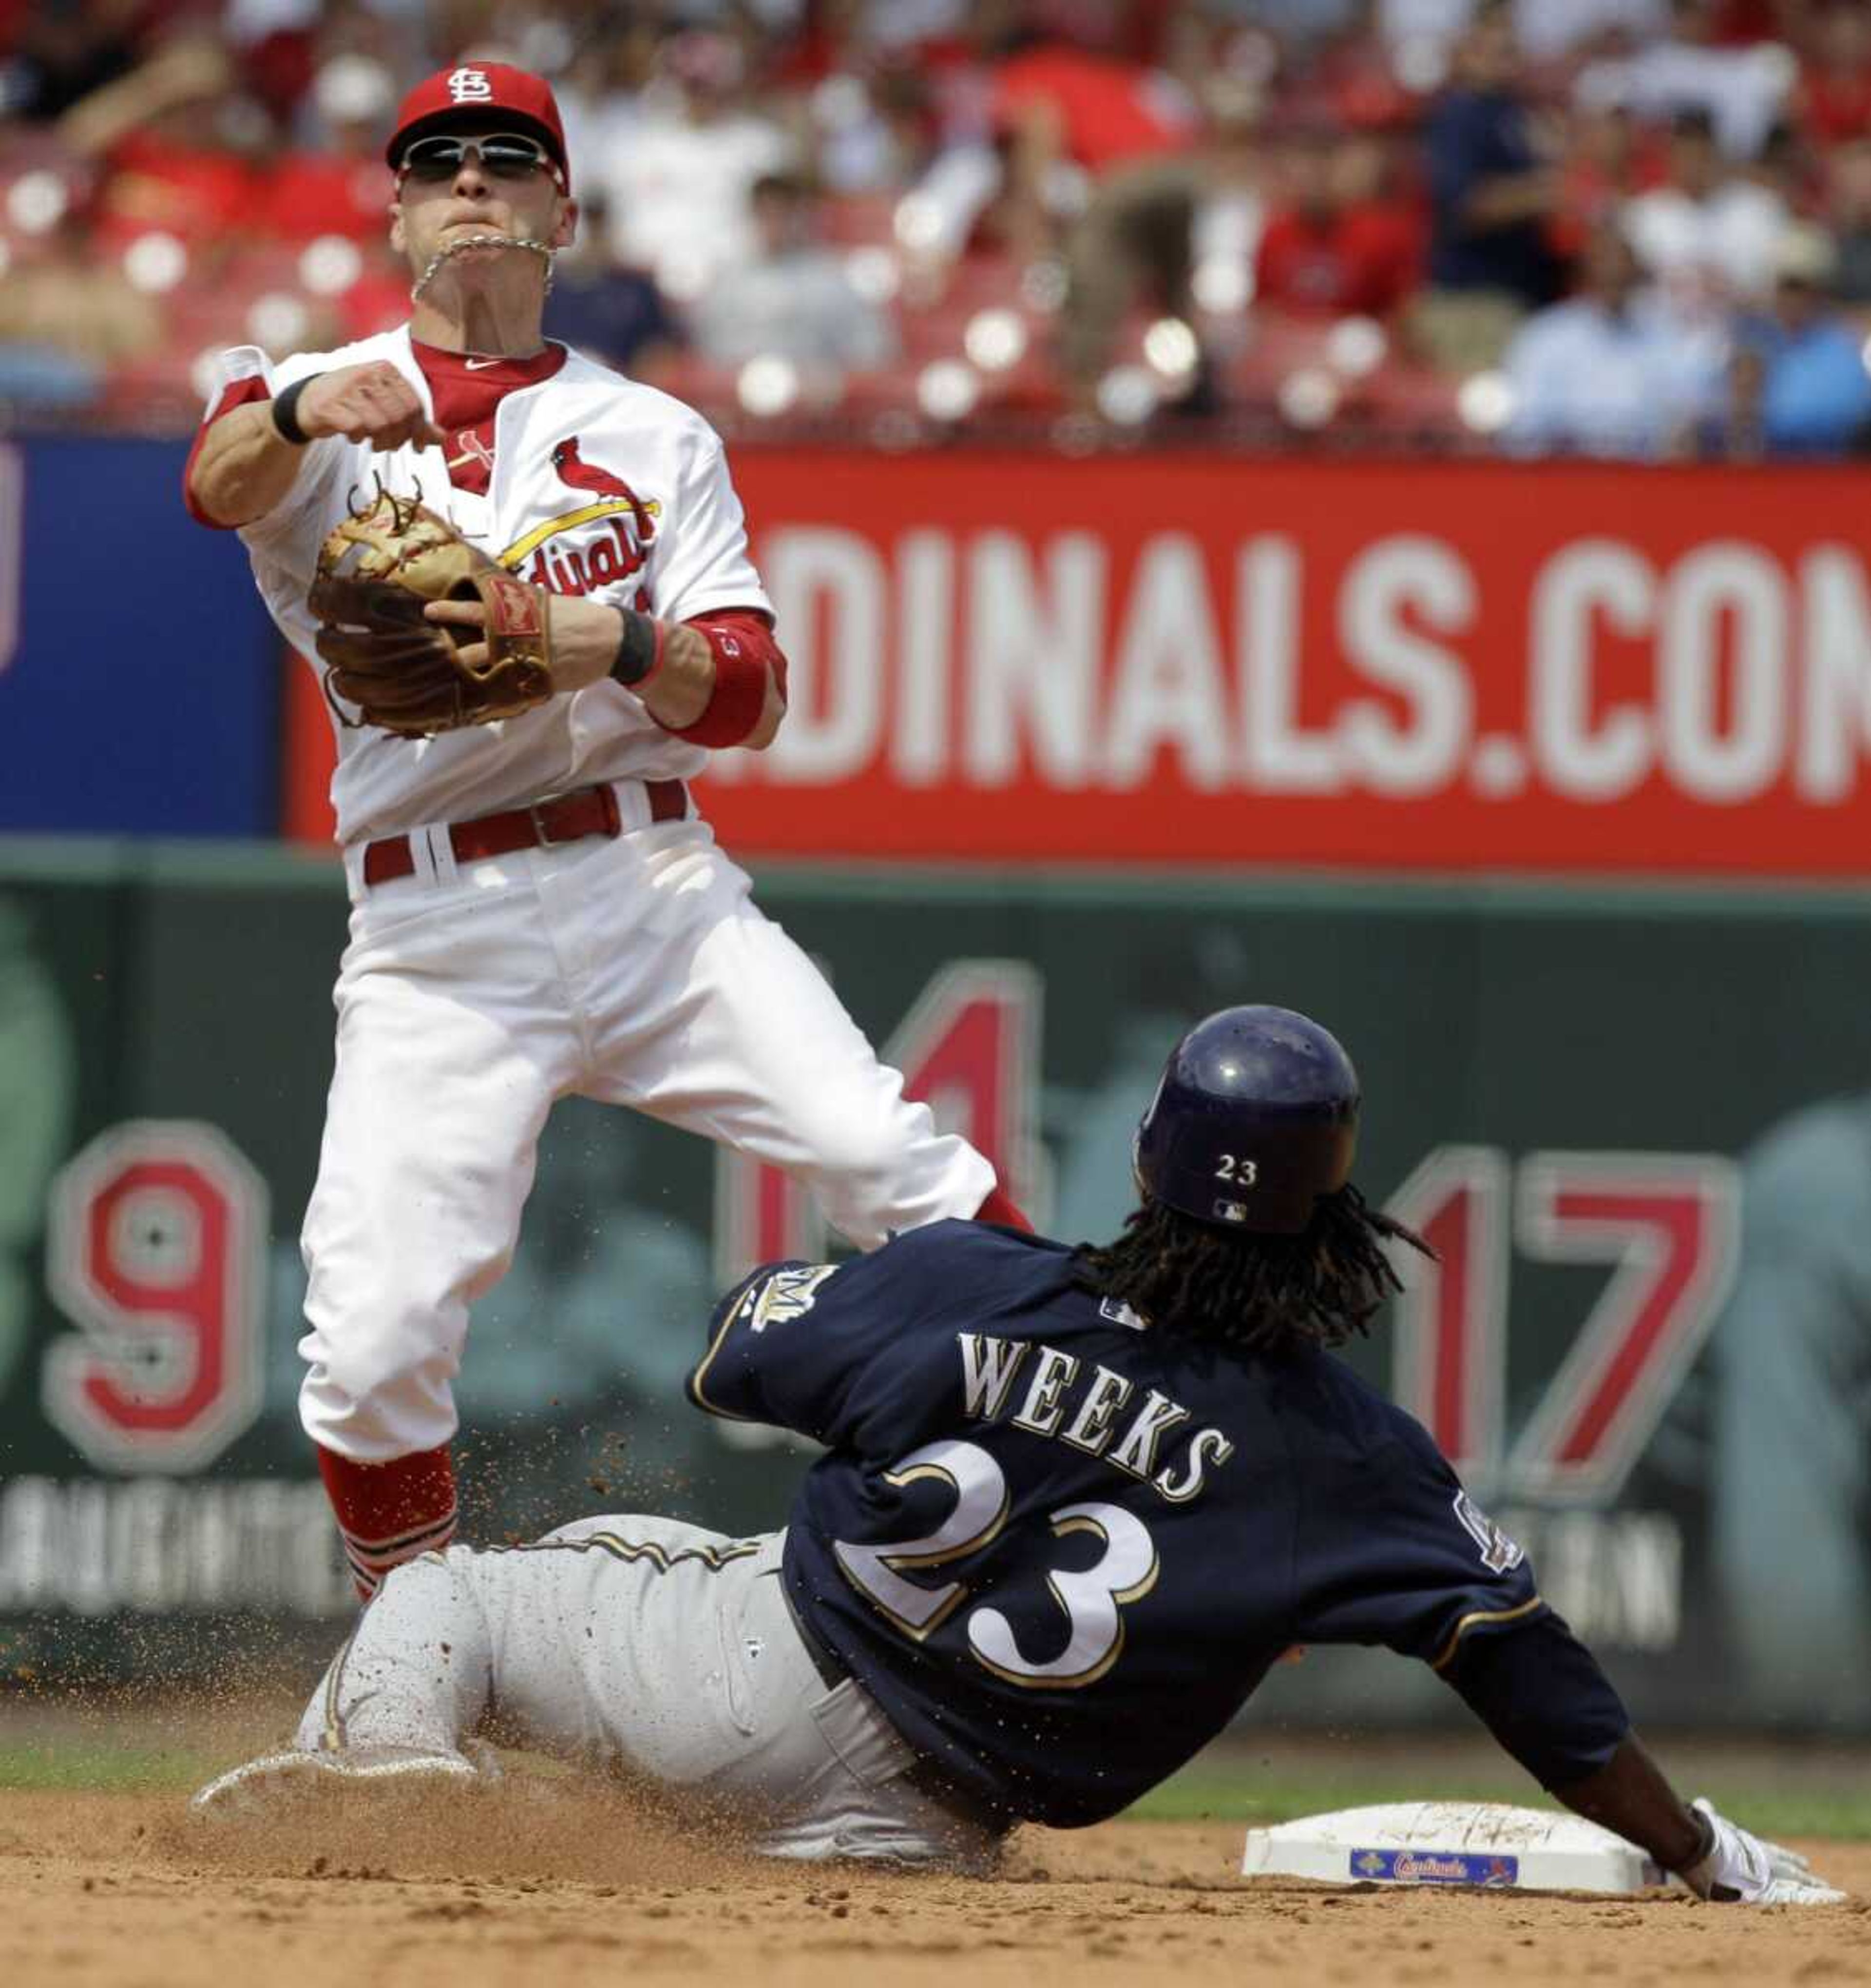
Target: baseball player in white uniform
[(536, 909)]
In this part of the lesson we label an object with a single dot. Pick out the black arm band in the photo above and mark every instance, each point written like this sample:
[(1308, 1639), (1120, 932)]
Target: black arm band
[(285, 411), (639, 649)]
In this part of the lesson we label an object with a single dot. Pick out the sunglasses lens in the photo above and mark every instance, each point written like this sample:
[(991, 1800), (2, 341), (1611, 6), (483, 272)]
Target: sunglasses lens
[(512, 158), (433, 158)]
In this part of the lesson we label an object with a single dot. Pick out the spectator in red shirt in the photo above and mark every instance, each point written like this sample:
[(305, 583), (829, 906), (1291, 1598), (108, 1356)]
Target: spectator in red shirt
[(174, 137), (1835, 92), (165, 180), (1063, 115), (1093, 110), (1335, 247), (1134, 247), (1601, 171), (340, 186)]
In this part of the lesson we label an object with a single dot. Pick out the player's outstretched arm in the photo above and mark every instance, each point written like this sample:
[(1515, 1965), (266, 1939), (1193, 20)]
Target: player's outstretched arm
[(1631, 1795), (1542, 1695), (251, 457)]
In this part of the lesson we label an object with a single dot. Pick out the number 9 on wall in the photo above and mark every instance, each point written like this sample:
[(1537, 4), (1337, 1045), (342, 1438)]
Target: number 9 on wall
[(157, 1253)]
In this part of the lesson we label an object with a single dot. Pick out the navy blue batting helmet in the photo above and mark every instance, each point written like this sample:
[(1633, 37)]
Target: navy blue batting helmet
[(1255, 1118)]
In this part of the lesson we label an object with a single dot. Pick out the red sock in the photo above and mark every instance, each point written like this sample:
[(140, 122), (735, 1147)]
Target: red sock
[(1000, 1207), (389, 1513)]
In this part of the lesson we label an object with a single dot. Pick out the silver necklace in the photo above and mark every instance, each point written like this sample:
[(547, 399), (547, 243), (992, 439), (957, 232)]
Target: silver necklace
[(488, 240)]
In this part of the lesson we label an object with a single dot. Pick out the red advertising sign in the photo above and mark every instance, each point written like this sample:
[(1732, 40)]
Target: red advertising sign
[(1401, 664)]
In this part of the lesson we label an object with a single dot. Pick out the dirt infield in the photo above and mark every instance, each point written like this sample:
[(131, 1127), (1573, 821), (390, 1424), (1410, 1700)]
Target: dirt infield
[(563, 1886)]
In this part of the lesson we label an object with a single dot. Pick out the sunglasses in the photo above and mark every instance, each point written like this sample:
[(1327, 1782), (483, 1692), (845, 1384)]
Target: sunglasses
[(503, 155)]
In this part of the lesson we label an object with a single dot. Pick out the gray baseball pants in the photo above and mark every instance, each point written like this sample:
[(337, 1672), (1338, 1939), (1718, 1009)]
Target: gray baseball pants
[(649, 1647)]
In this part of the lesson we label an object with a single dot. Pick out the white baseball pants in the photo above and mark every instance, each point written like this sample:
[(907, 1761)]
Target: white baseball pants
[(650, 1648), (636, 970)]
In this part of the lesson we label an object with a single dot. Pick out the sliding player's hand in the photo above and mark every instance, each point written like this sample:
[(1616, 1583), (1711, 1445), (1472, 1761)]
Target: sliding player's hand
[(1738, 1868)]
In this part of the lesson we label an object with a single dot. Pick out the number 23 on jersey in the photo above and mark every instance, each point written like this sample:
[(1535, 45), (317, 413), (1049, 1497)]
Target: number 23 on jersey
[(1092, 1597)]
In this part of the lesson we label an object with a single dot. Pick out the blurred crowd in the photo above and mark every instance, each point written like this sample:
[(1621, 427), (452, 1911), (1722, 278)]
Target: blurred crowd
[(1629, 228)]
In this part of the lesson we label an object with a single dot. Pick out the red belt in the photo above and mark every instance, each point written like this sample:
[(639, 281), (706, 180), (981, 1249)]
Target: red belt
[(565, 818)]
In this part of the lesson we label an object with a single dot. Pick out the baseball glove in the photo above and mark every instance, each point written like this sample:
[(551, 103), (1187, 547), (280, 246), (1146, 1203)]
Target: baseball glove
[(377, 572)]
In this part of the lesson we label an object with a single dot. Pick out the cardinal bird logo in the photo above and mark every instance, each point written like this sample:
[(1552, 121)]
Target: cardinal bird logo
[(600, 482), (551, 555)]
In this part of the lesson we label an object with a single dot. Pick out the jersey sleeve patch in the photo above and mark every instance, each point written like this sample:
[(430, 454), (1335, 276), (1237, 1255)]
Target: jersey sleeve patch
[(726, 1383), (789, 1294), (1499, 1553)]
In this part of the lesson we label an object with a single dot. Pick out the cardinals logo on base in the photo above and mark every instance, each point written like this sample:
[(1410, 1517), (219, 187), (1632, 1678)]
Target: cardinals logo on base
[(617, 549)]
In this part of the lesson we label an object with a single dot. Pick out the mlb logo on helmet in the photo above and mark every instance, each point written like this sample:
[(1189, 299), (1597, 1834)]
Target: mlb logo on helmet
[(470, 86)]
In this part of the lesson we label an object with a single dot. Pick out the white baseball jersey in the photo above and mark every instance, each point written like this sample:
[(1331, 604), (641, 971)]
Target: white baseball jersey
[(639, 510)]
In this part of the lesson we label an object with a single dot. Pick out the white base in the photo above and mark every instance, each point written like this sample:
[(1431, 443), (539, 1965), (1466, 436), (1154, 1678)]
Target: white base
[(1487, 1844)]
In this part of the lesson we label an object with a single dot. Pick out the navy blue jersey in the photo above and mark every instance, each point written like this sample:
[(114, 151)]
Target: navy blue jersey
[(1061, 1548)]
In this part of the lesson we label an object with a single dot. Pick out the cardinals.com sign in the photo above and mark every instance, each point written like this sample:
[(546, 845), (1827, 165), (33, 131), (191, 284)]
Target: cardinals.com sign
[(1472, 666)]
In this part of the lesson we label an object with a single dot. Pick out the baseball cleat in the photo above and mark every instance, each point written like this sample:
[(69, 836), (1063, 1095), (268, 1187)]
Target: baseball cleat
[(276, 1779)]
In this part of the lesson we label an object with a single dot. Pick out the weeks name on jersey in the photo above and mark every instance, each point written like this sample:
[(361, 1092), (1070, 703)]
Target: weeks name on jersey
[(1060, 1401)]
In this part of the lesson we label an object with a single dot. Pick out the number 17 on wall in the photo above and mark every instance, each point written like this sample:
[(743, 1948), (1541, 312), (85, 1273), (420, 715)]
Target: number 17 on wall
[(1666, 1224)]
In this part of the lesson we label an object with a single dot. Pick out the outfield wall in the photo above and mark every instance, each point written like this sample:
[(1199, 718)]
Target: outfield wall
[(1637, 1123)]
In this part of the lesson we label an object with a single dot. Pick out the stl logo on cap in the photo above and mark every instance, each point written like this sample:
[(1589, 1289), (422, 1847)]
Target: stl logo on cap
[(470, 86)]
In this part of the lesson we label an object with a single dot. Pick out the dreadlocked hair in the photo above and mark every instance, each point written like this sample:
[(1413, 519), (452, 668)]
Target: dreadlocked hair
[(1260, 1293)]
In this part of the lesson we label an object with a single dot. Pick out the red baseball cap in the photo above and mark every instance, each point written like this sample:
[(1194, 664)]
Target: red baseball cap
[(472, 89)]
